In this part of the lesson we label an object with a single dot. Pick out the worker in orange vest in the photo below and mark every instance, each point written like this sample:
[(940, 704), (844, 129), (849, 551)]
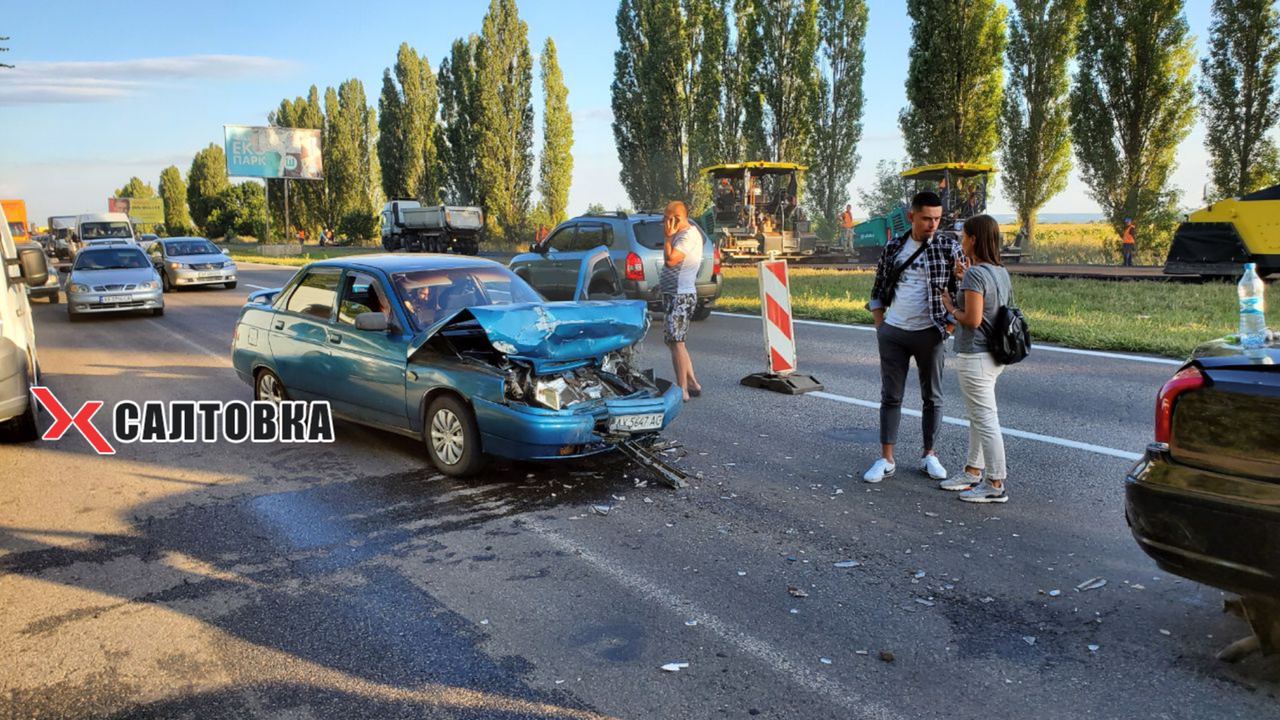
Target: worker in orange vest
[(1128, 241), (846, 225)]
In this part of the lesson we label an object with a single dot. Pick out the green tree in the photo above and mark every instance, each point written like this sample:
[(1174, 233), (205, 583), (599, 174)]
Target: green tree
[(206, 181), (306, 197), (1240, 102), (842, 27), (504, 71), (1132, 103), (555, 169), (784, 86), (954, 83), (666, 96), (173, 191), (135, 188), (886, 192), (353, 178), (407, 134), (736, 64), (460, 121), (1035, 145), (240, 209), (596, 209)]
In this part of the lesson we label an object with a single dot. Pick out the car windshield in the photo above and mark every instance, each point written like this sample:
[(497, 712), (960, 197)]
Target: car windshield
[(18, 229), (111, 259), (177, 248), (99, 230), (429, 295)]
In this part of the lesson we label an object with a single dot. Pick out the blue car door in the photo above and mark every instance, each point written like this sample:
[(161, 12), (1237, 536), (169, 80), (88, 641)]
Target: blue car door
[(369, 365), (299, 334)]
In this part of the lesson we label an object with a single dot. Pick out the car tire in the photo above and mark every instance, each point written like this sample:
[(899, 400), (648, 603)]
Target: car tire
[(230, 285), (23, 428), (452, 437), (165, 283), (702, 312), (157, 312), (268, 387), (72, 316), (54, 298)]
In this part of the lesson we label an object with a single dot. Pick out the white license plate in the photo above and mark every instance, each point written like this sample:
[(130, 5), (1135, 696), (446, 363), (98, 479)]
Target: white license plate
[(633, 423), (107, 299)]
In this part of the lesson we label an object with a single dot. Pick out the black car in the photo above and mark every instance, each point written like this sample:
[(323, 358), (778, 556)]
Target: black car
[(1204, 502)]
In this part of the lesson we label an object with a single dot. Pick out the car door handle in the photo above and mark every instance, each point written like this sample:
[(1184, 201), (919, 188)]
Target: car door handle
[(279, 325)]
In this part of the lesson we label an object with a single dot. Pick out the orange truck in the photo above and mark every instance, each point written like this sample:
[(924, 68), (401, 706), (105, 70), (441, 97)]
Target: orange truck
[(15, 211)]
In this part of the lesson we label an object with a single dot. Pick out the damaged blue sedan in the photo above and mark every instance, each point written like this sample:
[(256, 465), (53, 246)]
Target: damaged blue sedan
[(460, 353)]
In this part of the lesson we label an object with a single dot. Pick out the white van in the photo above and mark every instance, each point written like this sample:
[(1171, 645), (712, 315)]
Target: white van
[(100, 228), (19, 366)]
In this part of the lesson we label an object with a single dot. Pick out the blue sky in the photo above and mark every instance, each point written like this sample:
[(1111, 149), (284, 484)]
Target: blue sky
[(103, 92)]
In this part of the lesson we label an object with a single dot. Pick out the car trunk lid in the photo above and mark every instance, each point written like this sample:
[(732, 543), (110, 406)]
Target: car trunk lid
[(1229, 425)]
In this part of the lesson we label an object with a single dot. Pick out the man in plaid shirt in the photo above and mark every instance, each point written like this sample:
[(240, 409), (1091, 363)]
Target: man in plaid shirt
[(911, 322)]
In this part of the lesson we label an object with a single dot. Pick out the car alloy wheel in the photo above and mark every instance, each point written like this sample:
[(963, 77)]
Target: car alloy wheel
[(269, 388), (446, 436)]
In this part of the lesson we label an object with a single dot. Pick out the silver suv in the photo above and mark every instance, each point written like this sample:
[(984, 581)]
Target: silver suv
[(635, 244)]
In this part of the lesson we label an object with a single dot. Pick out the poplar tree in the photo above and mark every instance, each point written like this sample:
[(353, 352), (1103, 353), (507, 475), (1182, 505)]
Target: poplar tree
[(173, 191), (783, 85), (1132, 103), (407, 110), (206, 181), (504, 71), (135, 188), (1035, 144), (842, 28), (1238, 90), (460, 118), (351, 161), (954, 80), (555, 169)]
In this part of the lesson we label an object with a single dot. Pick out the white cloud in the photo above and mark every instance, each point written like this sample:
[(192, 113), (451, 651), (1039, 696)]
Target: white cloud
[(39, 83)]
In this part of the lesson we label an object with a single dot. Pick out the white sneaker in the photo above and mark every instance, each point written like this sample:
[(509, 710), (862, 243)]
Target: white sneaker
[(960, 481), (985, 492), (879, 471), (931, 465)]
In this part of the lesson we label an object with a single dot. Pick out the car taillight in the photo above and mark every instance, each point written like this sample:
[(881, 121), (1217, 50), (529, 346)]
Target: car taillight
[(1187, 379), (715, 268), (635, 268)]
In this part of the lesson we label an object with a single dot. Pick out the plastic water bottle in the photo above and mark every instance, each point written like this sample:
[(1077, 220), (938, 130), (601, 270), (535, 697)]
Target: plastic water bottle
[(1253, 321)]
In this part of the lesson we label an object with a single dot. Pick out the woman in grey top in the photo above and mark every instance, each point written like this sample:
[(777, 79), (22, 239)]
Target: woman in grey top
[(984, 287)]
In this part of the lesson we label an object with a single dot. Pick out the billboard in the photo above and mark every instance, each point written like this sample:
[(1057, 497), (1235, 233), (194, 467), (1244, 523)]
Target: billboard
[(147, 211), (273, 152)]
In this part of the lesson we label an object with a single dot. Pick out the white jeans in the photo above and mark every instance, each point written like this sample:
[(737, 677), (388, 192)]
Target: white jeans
[(977, 373)]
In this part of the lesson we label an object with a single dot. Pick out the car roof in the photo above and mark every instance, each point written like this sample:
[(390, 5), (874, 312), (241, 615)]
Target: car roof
[(409, 262), (179, 239)]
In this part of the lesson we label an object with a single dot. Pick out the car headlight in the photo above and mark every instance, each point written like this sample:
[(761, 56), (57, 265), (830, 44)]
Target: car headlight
[(79, 288), (551, 393), (179, 266), (229, 264), (149, 285)]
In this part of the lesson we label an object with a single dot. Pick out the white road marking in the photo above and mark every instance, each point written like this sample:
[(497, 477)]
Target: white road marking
[(1089, 447), (686, 609), (259, 287), (190, 343), (1038, 346)]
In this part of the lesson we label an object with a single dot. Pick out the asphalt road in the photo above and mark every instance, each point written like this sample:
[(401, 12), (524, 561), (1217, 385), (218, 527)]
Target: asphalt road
[(350, 580)]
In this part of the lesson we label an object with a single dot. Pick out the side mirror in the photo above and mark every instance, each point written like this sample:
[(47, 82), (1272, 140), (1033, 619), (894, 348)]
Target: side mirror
[(34, 267), (371, 321), (226, 251)]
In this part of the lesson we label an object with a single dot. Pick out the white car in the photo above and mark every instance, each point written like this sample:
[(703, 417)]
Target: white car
[(19, 365), (189, 261)]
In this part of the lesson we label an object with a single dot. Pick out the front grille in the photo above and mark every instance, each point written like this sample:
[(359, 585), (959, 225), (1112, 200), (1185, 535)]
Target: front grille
[(114, 288), (122, 306)]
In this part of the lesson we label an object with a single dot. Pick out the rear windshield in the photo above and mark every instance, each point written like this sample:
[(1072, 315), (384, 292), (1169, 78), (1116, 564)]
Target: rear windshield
[(99, 230), (111, 259), (177, 248), (650, 234)]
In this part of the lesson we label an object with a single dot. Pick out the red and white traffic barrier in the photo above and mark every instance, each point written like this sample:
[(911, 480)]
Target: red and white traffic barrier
[(779, 335)]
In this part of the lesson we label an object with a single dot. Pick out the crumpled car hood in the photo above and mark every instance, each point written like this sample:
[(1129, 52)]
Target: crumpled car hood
[(545, 334)]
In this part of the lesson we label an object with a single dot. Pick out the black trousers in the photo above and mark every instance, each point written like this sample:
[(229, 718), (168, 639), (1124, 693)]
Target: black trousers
[(897, 348)]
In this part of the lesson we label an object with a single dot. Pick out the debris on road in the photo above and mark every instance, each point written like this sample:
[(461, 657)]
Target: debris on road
[(1029, 639), (796, 592), (926, 603), (742, 573), (690, 623), (1055, 593), (825, 660), (672, 476), (601, 509), (859, 652), (1091, 584), (1093, 648), (1164, 632), (886, 656), (675, 666), (847, 564), (919, 574)]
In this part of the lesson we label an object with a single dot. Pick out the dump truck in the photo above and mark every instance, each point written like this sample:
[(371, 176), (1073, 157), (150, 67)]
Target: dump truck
[(1218, 240), (408, 226), (755, 211)]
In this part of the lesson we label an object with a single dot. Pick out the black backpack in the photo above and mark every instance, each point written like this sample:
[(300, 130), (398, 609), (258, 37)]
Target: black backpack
[(1010, 339)]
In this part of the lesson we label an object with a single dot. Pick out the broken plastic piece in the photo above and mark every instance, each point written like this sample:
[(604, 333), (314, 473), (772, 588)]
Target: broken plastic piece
[(601, 509), (1091, 584), (796, 592), (675, 666), (848, 564), (1029, 639)]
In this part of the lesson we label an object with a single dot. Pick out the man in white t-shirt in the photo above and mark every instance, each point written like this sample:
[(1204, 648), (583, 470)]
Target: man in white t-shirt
[(682, 256)]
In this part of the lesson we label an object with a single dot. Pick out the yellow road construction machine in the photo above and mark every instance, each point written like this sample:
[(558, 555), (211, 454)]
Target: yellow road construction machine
[(1218, 240)]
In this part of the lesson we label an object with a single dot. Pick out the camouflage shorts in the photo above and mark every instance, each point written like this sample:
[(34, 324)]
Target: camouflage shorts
[(679, 309)]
